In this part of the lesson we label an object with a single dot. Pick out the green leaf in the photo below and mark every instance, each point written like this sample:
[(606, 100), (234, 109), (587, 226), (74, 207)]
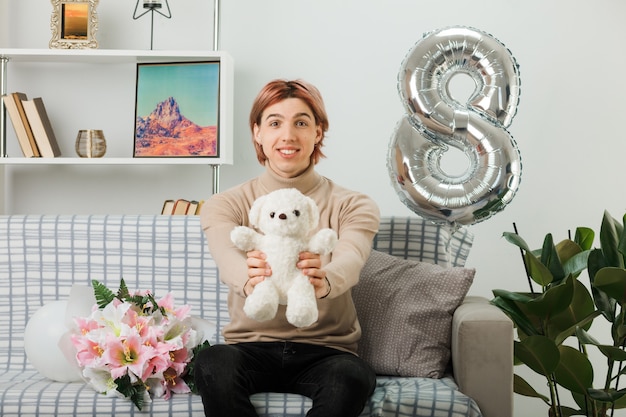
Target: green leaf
[(517, 240), (538, 353), (576, 263), (568, 412), (610, 236), (577, 313), (550, 258), (521, 387), (584, 238), (622, 240), (537, 270), (189, 376), (604, 303), (554, 300), (574, 370), (135, 393), (609, 396), (612, 281), (611, 352), (123, 293), (584, 323), (507, 301), (103, 295)]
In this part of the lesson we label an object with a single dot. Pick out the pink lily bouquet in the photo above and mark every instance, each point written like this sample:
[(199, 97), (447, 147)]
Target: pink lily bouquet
[(136, 346)]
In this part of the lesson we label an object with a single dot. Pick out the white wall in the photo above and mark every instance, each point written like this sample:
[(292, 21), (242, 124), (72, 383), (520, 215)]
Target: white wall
[(567, 127)]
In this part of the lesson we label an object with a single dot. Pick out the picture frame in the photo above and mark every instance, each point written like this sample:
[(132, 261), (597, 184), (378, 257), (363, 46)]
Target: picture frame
[(177, 110), (74, 24)]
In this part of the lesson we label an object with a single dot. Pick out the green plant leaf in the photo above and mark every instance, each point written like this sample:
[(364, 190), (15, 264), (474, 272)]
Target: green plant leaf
[(189, 376), (554, 300), (566, 249), (506, 301), (609, 396), (517, 240), (611, 352), (550, 258), (622, 241), (584, 238), (537, 270), (576, 263), (567, 412), (604, 303), (123, 293), (134, 392), (574, 371), (612, 281), (521, 387), (538, 353), (620, 402), (103, 295), (579, 309), (610, 236), (585, 323)]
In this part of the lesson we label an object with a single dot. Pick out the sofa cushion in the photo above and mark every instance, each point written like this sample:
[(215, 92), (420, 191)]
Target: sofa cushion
[(420, 240), (405, 309)]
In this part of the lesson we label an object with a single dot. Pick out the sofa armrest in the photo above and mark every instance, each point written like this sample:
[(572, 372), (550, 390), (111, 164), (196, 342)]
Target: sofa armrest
[(482, 355)]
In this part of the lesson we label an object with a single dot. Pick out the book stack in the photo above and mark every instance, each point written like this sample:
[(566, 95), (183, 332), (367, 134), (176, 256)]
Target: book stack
[(182, 207), (32, 126)]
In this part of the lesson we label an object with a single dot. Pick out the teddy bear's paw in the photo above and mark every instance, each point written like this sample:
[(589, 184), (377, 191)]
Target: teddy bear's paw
[(262, 304), (301, 315), (260, 310), (244, 237), (323, 242)]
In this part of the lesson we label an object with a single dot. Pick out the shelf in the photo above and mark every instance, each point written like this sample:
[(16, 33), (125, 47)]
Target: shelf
[(100, 58), (106, 161), (103, 56)]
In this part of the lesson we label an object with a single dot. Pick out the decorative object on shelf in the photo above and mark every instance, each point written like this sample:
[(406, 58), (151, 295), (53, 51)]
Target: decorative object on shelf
[(177, 110), (152, 6), (74, 24), (90, 143)]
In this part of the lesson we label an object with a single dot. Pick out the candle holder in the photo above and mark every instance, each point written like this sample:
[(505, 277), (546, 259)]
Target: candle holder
[(90, 143), (152, 6)]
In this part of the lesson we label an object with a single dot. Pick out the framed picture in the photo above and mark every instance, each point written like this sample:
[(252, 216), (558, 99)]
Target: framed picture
[(74, 24), (177, 110)]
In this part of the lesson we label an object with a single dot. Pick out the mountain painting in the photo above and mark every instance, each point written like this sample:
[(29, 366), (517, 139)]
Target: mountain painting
[(177, 108)]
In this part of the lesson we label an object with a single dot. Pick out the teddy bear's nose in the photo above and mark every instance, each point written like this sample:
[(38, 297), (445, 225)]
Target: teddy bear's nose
[(282, 216)]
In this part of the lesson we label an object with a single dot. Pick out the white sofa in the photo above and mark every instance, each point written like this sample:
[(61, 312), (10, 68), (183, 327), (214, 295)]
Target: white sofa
[(41, 257)]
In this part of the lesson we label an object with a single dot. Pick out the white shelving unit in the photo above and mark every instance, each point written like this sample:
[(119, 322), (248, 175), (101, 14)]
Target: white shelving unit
[(76, 70), (15, 57)]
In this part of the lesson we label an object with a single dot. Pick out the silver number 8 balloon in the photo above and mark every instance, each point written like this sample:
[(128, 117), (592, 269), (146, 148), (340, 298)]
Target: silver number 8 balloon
[(435, 120)]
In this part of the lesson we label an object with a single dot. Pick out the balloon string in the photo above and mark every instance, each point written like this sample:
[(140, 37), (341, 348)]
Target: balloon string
[(451, 228)]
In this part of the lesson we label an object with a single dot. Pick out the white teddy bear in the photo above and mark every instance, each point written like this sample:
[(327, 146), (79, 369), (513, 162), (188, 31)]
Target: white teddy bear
[(287, 219)]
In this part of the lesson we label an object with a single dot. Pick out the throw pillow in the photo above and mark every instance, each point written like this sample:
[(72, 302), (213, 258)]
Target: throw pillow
[(405, 309)]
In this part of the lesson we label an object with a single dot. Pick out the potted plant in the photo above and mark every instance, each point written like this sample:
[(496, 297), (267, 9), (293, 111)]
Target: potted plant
[(553, 320)]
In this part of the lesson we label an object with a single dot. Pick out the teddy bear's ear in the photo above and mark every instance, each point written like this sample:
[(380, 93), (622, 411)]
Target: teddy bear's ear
[(314, 214), (255, 210)]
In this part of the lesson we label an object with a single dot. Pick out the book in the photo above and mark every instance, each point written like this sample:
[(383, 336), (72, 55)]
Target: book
[(42, 129), (168, 207), (25, 137), (192, 210), (180, 207), (199, 209)]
